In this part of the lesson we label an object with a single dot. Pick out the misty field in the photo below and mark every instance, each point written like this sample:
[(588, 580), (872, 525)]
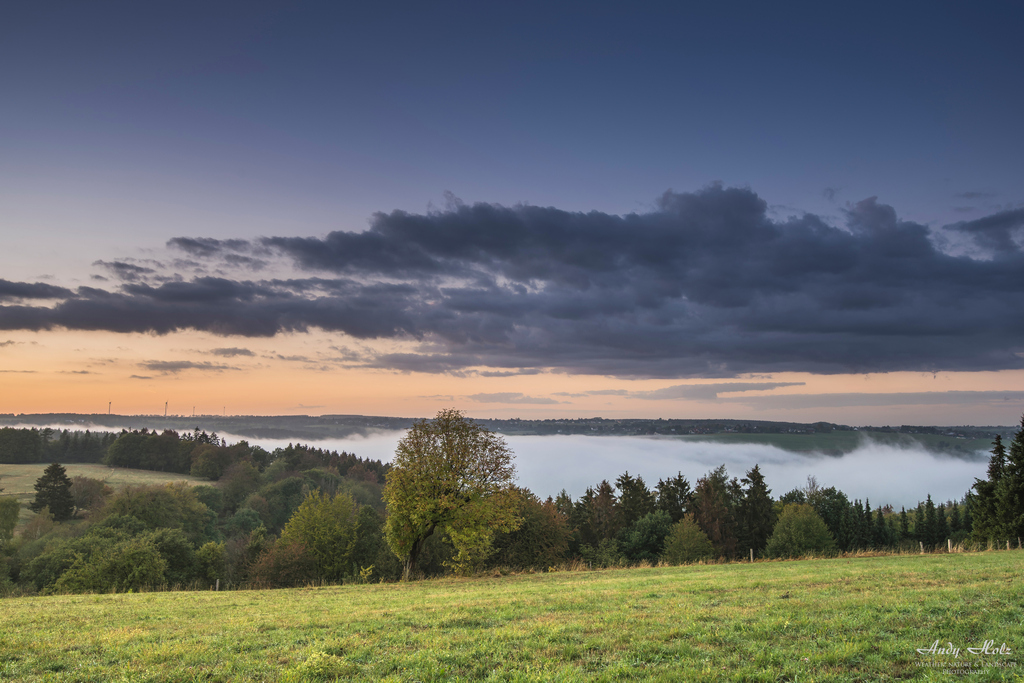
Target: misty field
[(814, 620)]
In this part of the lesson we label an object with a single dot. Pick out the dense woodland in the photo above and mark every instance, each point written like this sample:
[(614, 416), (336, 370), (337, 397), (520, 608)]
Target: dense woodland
[(299, 515)]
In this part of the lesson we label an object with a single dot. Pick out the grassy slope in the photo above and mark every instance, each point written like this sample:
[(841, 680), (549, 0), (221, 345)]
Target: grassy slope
[(819, 620), (19, 480)]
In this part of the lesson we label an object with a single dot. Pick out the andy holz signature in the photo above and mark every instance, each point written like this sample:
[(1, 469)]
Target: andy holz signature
[(989, 648)]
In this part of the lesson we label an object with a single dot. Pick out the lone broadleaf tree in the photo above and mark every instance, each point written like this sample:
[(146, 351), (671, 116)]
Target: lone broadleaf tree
[(451, 474)]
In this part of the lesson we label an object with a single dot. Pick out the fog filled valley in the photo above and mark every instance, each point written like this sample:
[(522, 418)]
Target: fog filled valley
[(143, 508), (885, 474)]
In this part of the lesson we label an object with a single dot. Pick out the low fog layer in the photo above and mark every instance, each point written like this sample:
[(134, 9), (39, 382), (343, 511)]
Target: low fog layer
[(547, 464)]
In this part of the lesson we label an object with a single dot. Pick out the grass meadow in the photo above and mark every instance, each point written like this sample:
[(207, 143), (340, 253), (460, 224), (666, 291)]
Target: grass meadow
[(19, 480), (844, 619)]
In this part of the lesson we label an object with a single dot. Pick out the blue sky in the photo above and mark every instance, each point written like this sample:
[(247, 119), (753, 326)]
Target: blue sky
[(126, 125)]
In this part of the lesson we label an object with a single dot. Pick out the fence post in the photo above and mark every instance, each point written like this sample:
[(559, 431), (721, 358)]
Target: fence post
[(751, 554), (949, 545), (921, 543), (218, 584)]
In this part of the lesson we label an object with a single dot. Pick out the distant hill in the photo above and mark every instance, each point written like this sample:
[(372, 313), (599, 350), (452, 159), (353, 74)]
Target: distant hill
[(825, 437)]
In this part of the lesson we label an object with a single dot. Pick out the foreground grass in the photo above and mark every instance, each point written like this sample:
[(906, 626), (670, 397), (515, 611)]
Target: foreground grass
[(815, 620)]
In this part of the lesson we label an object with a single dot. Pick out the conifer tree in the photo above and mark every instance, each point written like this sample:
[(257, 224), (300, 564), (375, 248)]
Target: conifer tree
[(635, 499), (674, 496), (53, 491), (1009, 492), (997, 507), (941, 526), (954, 519), (920, 529), (880, 537), (756, 512), (930, 523)]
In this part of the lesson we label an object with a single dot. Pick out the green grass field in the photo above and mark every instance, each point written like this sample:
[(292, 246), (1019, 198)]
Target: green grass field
[(856, 619), (19, 480)]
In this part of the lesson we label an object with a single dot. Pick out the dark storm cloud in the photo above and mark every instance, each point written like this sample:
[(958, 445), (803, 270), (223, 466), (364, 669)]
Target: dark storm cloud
[(231, 352), (205, 247), (995, 232), (31, 290), (708, 284), (170, 367), (127, 272)]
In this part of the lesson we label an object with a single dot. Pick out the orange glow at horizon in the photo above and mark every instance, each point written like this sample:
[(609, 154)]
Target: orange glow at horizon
[(80, 372)]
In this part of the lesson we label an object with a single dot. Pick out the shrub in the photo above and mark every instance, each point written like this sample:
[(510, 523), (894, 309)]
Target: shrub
[(800, 531), (284, 564), (88, 493), (211, 561), (132, 564), (687, 542), (606, 554), (645, 539), (9, 509), (326, 529)]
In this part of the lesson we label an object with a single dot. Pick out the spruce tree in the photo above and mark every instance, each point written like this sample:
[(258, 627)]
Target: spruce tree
[(942, 534), (954, 519), (53, 491), (635, 499), (881, 532), (1009, 491), (756, 512), (674, 496), (930, 523), (983, 504), (920, 531)]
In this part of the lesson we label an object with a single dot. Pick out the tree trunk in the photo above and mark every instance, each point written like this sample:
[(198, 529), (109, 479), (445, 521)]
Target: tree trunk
[(414, 555)]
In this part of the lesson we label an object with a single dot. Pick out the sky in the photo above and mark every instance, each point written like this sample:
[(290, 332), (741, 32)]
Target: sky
[(735, 210)]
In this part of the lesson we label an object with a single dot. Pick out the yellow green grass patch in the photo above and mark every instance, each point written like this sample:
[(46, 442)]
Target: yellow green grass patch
[(815, 620)]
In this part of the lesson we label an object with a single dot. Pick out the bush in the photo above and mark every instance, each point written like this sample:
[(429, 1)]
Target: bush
[(326, 529), (687, 543), (133, 564), (606, 554), (9, 509), (283, 565), (542, 540), (243, 523), (800, 531), (173, 506), (88, 493), (179, 554), (211, 561), (645, 539)]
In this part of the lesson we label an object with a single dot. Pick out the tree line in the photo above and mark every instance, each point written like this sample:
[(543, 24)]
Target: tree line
[(447, 503)]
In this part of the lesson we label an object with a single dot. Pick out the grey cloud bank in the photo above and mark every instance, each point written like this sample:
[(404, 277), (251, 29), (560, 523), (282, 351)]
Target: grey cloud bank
[(705, 285)]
